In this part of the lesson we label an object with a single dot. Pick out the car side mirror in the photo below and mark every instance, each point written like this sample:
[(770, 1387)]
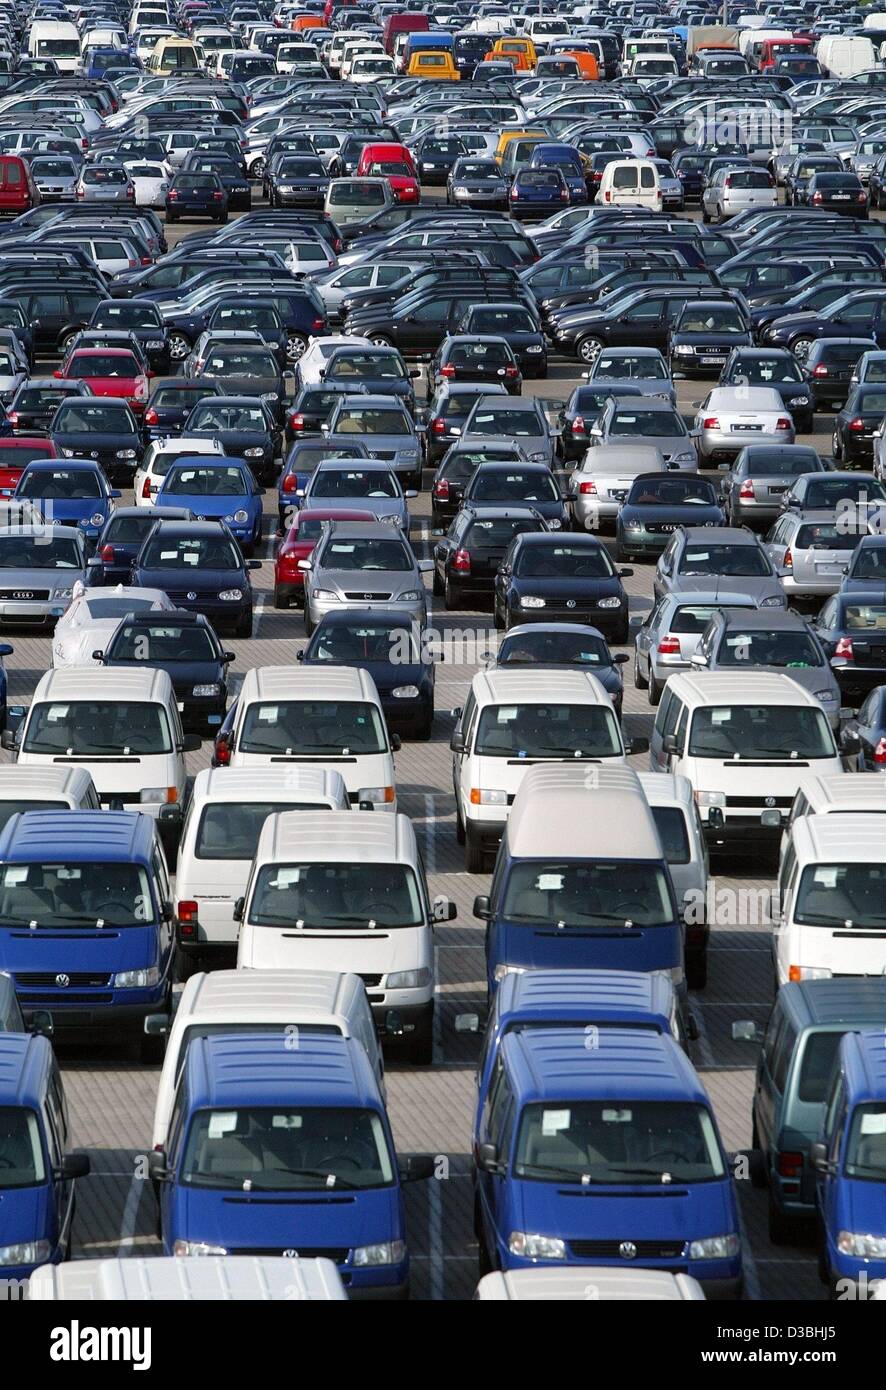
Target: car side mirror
[(746, 1030), (410, 493), (229, 656), (625, 572), (638, 745), (191, 743), (467, 1023), (75, 1165), (98, 656), (41, 1023), (482, 907), (620, 658), (253, 564), (239, 907), (849, 741), (305, 565), (698, 659), (416, 1168)]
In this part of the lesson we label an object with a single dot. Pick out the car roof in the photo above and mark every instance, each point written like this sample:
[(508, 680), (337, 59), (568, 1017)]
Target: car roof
[(719, 535), (859, 1001), (77, 836), (232, 1071), (762, 619), (25, 1066), (629, 1064)]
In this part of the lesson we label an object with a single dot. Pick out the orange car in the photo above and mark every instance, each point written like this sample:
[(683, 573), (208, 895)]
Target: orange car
[(307, 21), (587, 63), (521, 52)]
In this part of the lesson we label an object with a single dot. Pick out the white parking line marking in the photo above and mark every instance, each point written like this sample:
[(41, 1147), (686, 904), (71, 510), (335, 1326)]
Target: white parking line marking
[(130, 1214)]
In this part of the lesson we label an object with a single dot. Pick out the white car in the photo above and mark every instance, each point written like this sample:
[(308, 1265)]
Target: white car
[(308, 255), (150, 181), (93, 615), (317, 354), (157, 459)]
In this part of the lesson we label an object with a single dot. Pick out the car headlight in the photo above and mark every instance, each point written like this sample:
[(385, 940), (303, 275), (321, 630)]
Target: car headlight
[(155, 343), (688, 456), (488, 796), (27, 1252), (715, 1247), (241, 515), (97, 519), (801, 400), (69, 453), (376, 794), (710, 798), (683, 348), (386, 1252), (775, 601), (554, 523), (614, 602), (411, 595), (197, 1247), (137, 979), (409, 979), (324, 594), (62, 593), (502, 971), (534, 347), (270, 396), (863, 1245), (827, 696), (539, 458), (253, 452), (532, 602), (206, 692), (633, 524), (405, 692), (231, 595), (125, 454), (461, 192), (535, 1247)]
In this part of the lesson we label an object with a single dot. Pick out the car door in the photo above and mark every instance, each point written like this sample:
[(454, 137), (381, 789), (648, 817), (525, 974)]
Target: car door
[(664, 570), (645, 637), (643, 325), (421, 329), (447, 546), (496, 1127)]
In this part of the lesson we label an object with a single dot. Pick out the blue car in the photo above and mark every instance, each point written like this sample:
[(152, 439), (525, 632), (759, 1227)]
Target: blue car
[(217, 491), (36, 1175), (851, 1166), (597, 1149), (538, 193), (567, 159), (274, 1149), (200, 566), (67, 491), (122, 538)]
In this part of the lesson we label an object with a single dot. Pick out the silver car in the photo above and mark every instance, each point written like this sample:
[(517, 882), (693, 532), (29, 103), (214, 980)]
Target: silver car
[(603, 479), (363, 564), (754, 487), (642, 367), (359, 485), (732, 416), (385, 426), (631, 422), (56, 177), (737, 189), (713, 558), (39, 566), (519, 418), (667, 638), (105, 183), (811, 551), (338, 285), (353, 200)]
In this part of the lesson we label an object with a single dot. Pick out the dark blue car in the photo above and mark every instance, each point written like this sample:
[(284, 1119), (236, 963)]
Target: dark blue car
[(565, 647), (567, 159), (201, 567), (122, 537), (538, 193), (68, 491), (390, 646), (197, 195)]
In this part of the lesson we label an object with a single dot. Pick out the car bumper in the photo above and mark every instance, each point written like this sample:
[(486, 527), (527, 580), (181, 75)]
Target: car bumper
[(859, 680), (34, 613), (319, 608), (588, 514), (645, 542), (717, 446), (755, 514), (116, 1017), (608, 620)]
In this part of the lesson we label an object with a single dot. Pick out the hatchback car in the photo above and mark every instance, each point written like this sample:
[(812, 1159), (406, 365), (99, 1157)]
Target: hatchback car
[(522, 420), (467, 558), (224, 490), (666, 638), (201, 567), (104, 183), (71, 492), (104, 430), (522, 484), (734, 189), (754, 486), (185, 646), (196, 195), (244, 427), (391, 647), (713, 558), (385, 426), (365, 565), (556, 578)]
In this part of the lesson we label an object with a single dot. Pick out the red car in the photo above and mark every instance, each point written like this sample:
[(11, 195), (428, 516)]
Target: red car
[(394, 163), (108, 372), (15, 452), (297, 544)]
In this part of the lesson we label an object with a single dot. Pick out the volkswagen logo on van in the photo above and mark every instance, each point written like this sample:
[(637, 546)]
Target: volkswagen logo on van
[(191, 596), (290, 1254), (63, 981), (769, 801), (628, 1250)]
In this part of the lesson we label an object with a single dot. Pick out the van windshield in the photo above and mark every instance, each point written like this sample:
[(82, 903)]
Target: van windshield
[(760, 731), (284, 1149), (83, 728), (340, 728), (230, 829), (580, 893), (842, 895), (548, 731), (609, 1142), (21, 1153), (336, 895), (74, 895), (866, 1149)]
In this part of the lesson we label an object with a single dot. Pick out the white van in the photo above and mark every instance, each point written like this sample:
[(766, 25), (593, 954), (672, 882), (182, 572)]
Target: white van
[(347, 891), (607, 1284), (260, 1001), (838, 795), (226, 811), (45, 789), (58, 39), (189, 1279), (831, 900), (677, 821), (512, 720), (844, 55), (121, 726), (745, 742), (286, 715), (631, 183)]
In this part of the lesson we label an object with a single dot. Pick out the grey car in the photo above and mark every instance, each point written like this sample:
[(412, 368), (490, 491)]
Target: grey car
[(667, 638), (629, 421), (519, 418), (811, 550), (640, 367), (359, 485), (39, 566), (339, 284), (770, 641), (754, 486), (365, 565), (735, 189), (105, 183), (385, 426), (714, 558), (56, 177)]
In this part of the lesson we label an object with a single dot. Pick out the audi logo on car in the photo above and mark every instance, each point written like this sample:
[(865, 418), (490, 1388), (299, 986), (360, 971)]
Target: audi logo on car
[(23, 593), (63, 981)]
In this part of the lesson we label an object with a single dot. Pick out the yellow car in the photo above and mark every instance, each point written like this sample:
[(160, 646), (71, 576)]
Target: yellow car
[(431, 62)]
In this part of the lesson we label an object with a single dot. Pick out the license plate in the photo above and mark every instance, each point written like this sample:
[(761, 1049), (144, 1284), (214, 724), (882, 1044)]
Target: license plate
[(618, 494), (741, 428), (777, 491), (180, 706), (828, 569), (711, 361), (841, 197)]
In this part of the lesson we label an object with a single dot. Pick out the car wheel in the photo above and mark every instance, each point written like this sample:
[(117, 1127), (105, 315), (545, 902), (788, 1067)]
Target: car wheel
[(68, 341), (179, 347), (621, 636), (258, 169), (379, 340), (425, 728), (640, 682), (279, 600), (420, 1049), (588, 350), (696, 969), (296, 346), (459, 830), (800, 348), (170, 218), (655, 689), (836, 446), (474, 856), (151, 1048), (309, 626)]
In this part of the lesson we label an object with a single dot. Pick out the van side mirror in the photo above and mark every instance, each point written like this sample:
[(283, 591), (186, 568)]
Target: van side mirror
[(467, 1023), (74, 1165), (157, 1025), (98, 655), (158, 1169), (239, 906), (444, 910), (9, 741), (488, 1160), (191, 743), (818, 1158), (746, 1030), (456, 743), (482, 908), (638, 745), (416, 1168), (669, 743), (41, 1023)]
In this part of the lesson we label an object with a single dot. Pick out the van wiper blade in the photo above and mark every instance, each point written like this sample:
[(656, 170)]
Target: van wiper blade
[(562, 1174), (317, 1173)]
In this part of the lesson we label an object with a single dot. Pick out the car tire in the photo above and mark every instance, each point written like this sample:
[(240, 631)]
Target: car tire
[(836, 447), (436, 584), (296, 346), (459, 830), (258, 169), (497, 619), (379, 340), (640, 682), (279, 600), (425, 728), (800, 348), (588, 349), (705, 217), (151, 1049), (420, 1048), (484, 1259), (655, 690), (474, 855), (622, 635), (170, 218), (449, 601), (179, 347)]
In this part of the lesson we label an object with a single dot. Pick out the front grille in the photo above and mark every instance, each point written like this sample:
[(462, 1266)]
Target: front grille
[(661, 528), (125, 798), (338, 1254), (371, 981), (7, 595), (63, 996), (45, 979), (783, 802), (609, 1249), (377, 598)]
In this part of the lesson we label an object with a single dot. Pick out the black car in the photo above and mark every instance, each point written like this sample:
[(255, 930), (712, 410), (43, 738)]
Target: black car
[(852, 629), (121, 539), (853, 439), (530, 484), (704, 334), (435, 155), (446, 415), (657, 505), (252, 315), (802, 169), (577, 415), (863, 737), (96, 427), (390, 647), (640, 317), (545, 578), (243, 425), (843, 193), (246, 370), (201, 567), (474, 358), (35, 402), (467, 558), (297, 181), (185, 646), (476, 183), (456, 470), (233, 180), (418, 322), (859, 314), (196, 195), (143, 320), (170, 403), (565, 647), (518, 325), (775, 367), (829, 365)]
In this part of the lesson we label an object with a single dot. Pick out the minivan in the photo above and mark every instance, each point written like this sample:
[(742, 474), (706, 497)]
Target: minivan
[(588, 1156), (581, 880), (344, 891), (603, 1285), (18, 191), (37, 1175), (799, 1048), (189, 1279), (631, 183), (261, 1001), (274, 1148), (226, 811), (45, 789), (838, 794)]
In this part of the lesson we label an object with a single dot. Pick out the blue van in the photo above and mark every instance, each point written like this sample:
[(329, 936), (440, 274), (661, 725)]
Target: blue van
[(440, 39), (850, 1161), (280, 1150), (581, 879), (86, 920), (36, 1175), (603, 1151)]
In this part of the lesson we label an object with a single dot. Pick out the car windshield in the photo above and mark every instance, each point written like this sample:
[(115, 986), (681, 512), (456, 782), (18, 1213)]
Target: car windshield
[(623, 367), (371, 420), (503, 321), (123, 315), (241, 362), (866, 1145), (830, 535), (360, 642), (523, 423), (60, 484), (547, 731), (75, 894), (44, 552), (21, 1150), (370, 554), (578, 894), (213, 481), (336, 895), (82, 728), (365, 364), (191, 553), (869, 563), (283, 1150), (228, 417), (842, 895), (762, 732), (747, 561), (337, 728), (554, 649), (761, 372), (78, 417), (162, 643), (647, 424), (672, 492), (513, 485), (353, 482), (617, 1143), (563, 561), (775, 648)]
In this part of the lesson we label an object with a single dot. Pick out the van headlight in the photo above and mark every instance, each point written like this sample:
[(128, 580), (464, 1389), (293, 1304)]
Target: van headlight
[(863, 1245), (614, 602), (197, 1247), (137, 979), (409, 979), (157, 794), (715, 1248), (710, 798), (206, 692), (385, 1252), (125, 454), (374, 794), (27, 1252), (535, 1247), (231, 595), (531, 601), (405, 692), (801, 400)]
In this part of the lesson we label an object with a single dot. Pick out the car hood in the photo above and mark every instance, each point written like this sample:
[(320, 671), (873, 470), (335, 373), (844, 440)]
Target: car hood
[(178, 580), (365, 580), (648, 386), (382, 506), (40, 579), (317, 1218), (757, 587), (378, 444), (566, 587), (208, 508)]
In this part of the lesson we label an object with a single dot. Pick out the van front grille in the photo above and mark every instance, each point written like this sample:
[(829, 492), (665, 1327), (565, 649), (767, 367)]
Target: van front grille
[(610, 1249), (337, 1254), (782, 802), (371, 981), (64, 996), (48, 979)]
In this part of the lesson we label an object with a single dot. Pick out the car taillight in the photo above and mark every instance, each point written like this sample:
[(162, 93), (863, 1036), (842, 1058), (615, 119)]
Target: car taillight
[(862, 198), (132, 264), (790, 1165), (747, 489), (146, 488), (710, 423), (856, 424), (588, 489), (290, 483), (515, 193), (146, 260), (222, 750), (448, 371), (783, 423), (151, 416), (578, 425), (727, 183), (820, 370), (12, 417), (296, 422), (816, 198), (187, 917), (441, 489), (880, 753), (130, 192), (512, 372), (564, 192), (844, 648), (438, 425), (217, 196), (607, 196), (172, 195), (597, 176), (107, 554), (669, 645), (319, 323), (788, 560), (461, 561)]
